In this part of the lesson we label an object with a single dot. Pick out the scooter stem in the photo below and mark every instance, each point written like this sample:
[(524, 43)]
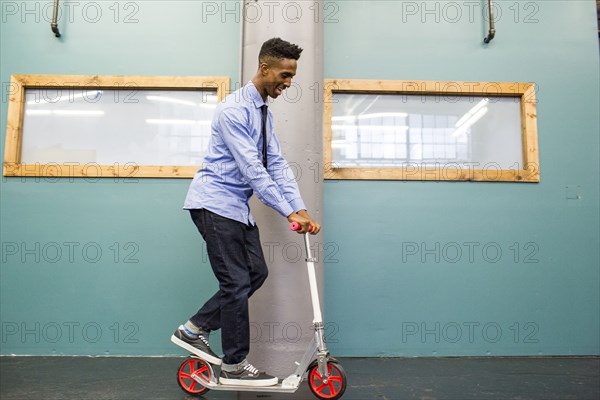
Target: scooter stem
[(312, 280)]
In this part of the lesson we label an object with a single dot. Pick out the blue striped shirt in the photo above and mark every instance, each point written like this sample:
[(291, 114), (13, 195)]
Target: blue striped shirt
[(232, 170)]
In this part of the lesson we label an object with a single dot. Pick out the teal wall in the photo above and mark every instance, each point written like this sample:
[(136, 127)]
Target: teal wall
[(129, 299), (386, 294)]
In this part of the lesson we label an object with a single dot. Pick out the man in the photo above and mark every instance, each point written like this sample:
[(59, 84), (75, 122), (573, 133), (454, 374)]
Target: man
[(238, 164)]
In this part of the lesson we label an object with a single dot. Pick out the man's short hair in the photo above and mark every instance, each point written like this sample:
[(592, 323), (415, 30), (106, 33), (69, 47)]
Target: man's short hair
[(278, 48)]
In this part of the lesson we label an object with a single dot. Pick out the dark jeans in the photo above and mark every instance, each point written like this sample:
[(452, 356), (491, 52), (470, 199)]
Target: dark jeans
[(237, 260)]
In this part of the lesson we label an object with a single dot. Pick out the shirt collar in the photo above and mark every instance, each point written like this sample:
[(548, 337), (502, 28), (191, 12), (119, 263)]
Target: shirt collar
[(254, 95)]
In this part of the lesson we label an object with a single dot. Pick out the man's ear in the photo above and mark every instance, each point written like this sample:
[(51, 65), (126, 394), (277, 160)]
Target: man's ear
[(264, 68)]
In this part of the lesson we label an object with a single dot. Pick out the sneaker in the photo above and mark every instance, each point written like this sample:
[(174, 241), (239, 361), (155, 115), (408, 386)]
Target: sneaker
[(247, 376), (196, 344)]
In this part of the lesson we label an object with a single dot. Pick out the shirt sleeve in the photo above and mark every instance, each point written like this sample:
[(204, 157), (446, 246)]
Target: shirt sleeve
[(234, 131), (283, 175)]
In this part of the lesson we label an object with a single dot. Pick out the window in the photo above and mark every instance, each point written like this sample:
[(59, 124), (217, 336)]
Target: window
[(109, 126), (425, 130)]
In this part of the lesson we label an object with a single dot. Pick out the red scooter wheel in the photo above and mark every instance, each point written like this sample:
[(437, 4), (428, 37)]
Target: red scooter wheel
[(184, 376), (336, 384)]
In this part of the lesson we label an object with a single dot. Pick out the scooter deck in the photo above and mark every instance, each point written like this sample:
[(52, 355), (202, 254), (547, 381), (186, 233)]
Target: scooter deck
[(275, 388)]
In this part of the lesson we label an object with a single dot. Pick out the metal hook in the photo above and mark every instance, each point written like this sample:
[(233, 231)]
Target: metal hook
[(492, 31), (54, 24)]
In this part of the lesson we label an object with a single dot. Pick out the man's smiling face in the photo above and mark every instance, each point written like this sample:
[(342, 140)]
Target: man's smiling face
[(278, 74)]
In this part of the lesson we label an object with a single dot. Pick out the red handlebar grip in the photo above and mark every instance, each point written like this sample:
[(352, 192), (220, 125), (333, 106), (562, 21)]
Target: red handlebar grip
[(296, 227)]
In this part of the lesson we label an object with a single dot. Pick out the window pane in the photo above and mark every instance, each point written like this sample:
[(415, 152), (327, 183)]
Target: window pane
[(395, 130), (143, 127)]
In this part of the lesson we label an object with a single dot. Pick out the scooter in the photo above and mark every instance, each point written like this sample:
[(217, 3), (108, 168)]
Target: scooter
[(326, 377)]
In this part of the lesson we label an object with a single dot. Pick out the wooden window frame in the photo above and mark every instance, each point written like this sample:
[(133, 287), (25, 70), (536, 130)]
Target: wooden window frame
[(529, 135), (16, 108)]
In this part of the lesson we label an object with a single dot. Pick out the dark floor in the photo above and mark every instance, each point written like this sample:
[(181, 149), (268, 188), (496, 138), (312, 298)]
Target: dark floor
[(132, 378)]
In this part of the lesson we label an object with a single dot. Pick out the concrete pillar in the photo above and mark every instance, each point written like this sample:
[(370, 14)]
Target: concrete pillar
[(280, 312)]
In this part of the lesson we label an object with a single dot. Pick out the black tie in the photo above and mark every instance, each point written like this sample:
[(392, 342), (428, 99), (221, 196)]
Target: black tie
[(264, 134)]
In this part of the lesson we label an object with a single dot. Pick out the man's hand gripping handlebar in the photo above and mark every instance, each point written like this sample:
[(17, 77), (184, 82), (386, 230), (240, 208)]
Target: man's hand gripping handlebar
[(296, 227), (302, 222)]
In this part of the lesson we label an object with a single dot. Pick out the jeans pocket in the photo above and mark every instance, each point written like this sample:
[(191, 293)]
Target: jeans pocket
[(199, 219)]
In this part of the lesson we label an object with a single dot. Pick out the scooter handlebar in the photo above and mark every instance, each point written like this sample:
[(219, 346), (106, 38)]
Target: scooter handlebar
[(295, 226)]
